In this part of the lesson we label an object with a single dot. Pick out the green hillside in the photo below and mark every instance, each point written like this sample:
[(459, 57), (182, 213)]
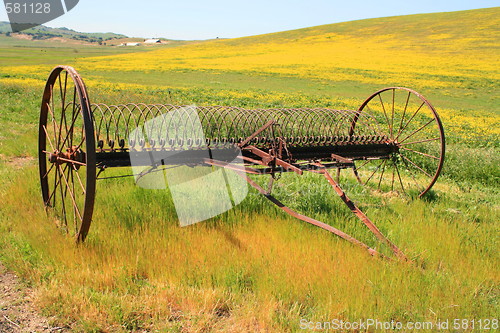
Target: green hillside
[(479, 23), (450, 57), (43, 32)]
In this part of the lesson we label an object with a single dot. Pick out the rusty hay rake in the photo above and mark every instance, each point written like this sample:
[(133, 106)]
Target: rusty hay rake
[(393, 142)]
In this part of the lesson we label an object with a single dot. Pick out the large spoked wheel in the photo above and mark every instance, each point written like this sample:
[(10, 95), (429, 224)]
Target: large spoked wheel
[(67, 152), (413, 129)]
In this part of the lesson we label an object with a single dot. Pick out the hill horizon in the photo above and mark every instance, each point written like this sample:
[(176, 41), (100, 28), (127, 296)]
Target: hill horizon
[(410, 54), (4, 28)]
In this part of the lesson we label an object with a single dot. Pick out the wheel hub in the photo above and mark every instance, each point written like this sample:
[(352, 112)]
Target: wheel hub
[(71, 155), (395, 145)]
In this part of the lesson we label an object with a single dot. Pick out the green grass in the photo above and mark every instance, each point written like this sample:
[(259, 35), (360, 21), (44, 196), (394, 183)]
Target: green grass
[(17, 52), (252, 268)]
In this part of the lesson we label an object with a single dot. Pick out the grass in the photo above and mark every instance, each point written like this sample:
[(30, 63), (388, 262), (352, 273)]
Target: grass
[(253, 268), (18, 52)]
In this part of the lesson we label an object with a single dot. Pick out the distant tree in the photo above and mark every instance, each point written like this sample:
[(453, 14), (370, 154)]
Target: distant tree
[(7, 34)]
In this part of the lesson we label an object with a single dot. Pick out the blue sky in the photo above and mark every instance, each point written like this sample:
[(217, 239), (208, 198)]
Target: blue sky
[(203, 19)]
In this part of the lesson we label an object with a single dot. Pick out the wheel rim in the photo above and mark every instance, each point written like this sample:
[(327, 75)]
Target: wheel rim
[(67, 152), (411, 125)]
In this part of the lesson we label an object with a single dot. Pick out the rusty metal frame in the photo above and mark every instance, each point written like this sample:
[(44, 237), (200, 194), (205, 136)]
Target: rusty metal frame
[(272, 141)]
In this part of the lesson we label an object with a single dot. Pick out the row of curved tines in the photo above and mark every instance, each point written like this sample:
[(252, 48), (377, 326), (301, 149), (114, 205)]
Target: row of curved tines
[(224, 126), (181, 143)]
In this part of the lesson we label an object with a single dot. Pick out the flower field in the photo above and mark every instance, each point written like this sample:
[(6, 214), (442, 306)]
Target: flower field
[(253, 268)]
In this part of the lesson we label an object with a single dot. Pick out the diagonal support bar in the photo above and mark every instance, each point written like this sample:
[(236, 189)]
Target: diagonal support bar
[(312, 221), (267, 158), (321, 170), (260, 130), (369, 224), (230, 166)]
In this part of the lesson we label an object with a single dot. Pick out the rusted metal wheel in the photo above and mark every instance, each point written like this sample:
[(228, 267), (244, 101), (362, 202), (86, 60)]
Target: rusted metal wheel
[(67, 160), (413, 129)]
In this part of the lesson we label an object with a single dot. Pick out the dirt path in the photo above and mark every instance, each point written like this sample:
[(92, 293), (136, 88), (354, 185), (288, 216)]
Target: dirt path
[(17, 313), (16, 309)]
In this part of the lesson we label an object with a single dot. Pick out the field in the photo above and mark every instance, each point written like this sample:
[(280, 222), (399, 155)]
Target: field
[(253, 268)]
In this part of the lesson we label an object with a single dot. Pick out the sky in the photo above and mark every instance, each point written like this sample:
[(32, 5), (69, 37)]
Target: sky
[(205, 19)]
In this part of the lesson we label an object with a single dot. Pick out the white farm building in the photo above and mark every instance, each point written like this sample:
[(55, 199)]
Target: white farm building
[(152, 41)]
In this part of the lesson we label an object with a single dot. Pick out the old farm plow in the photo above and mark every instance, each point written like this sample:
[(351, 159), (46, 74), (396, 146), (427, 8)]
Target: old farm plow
[(393, 142)]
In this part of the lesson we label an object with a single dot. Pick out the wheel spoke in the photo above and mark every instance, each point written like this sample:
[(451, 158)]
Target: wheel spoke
[(72, 195), (68, 171), (52, 194), (385, 114), (63, 101), (63, 120), (52, 109), (79, 179), (416, 166), (63, 202), (65, 91), (419, 152), (57, 181), (409, 121), (414, 142), (412, 176), (418, 130), (48, 137), (73, 116), (69, 133), (366, 162), (74, 210), (54, 123), (65, 126), (392, 116), (404, 112), (381, 174), (48, 171), (71, 161), (378, 167), (81, 142), (399, 176)]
